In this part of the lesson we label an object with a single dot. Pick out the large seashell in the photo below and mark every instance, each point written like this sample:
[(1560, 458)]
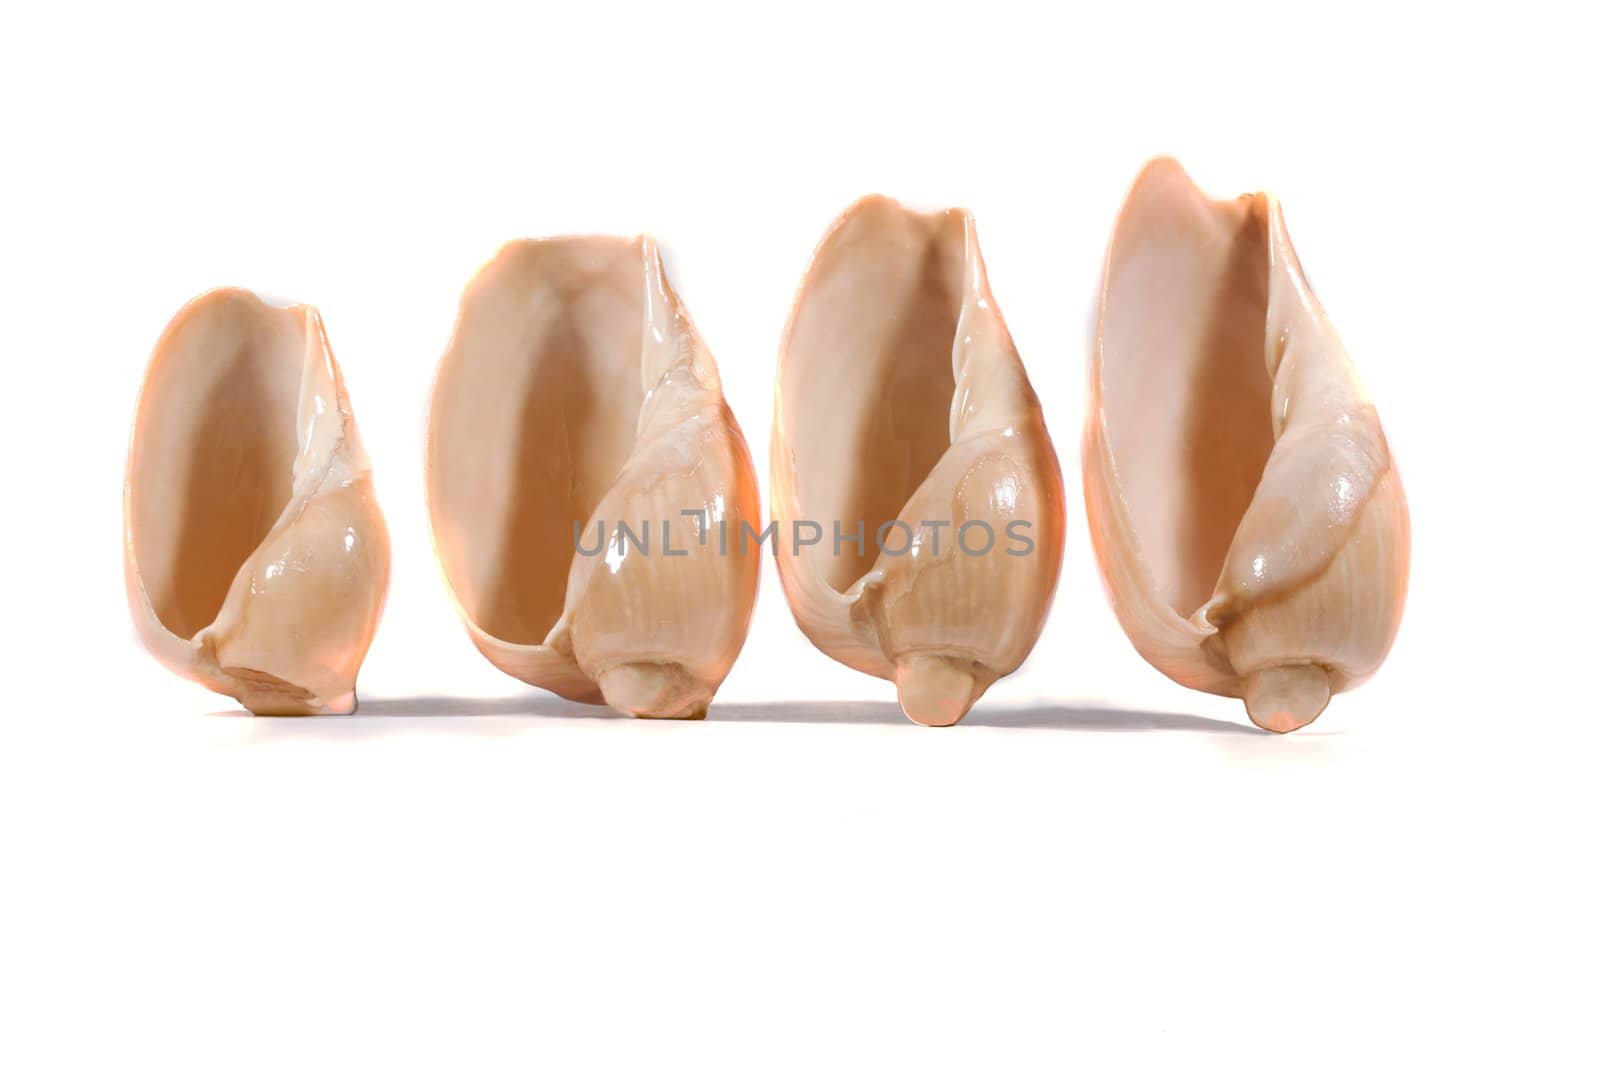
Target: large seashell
[(901, 399), (576, 393), (255, 554), (1246, 513)]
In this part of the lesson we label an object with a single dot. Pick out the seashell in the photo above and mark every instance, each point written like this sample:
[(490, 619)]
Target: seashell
[(901, 400), (255, 554), (1246, 513), (577, 397)]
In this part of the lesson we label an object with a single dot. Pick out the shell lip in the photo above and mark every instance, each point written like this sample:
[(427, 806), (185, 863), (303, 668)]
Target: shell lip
[(643, 242), (859, 206), (652, 266)]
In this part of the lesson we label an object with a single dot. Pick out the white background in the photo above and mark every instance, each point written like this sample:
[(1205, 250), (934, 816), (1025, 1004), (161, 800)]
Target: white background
[(1098, 862)]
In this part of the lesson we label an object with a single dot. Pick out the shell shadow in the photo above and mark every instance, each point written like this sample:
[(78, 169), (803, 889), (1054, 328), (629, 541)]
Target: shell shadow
[(1036, 717), (848, 712)]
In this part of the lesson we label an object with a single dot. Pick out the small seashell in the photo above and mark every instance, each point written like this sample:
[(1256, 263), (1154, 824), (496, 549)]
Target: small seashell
[(905, 419), (577, 398), (255, 554), (1246, 513)]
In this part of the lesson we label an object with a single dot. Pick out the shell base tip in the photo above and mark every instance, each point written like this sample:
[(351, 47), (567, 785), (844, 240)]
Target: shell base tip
[(936, 690), (654, 691), (1283, 699)]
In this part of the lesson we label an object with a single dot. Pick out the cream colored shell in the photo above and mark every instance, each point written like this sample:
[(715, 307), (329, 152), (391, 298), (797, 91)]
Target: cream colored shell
[(576, 393), (255, 554), (1245, 510), (901, 398)]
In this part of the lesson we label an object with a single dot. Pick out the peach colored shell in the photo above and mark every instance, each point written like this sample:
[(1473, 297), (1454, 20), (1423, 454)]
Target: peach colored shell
[(255, 554), (577, 392), (901, 399), (1245, 510)]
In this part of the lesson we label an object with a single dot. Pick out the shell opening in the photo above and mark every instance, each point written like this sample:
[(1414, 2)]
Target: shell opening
[(869, 372), (1185, 390), (534, 413), (214, 448)]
